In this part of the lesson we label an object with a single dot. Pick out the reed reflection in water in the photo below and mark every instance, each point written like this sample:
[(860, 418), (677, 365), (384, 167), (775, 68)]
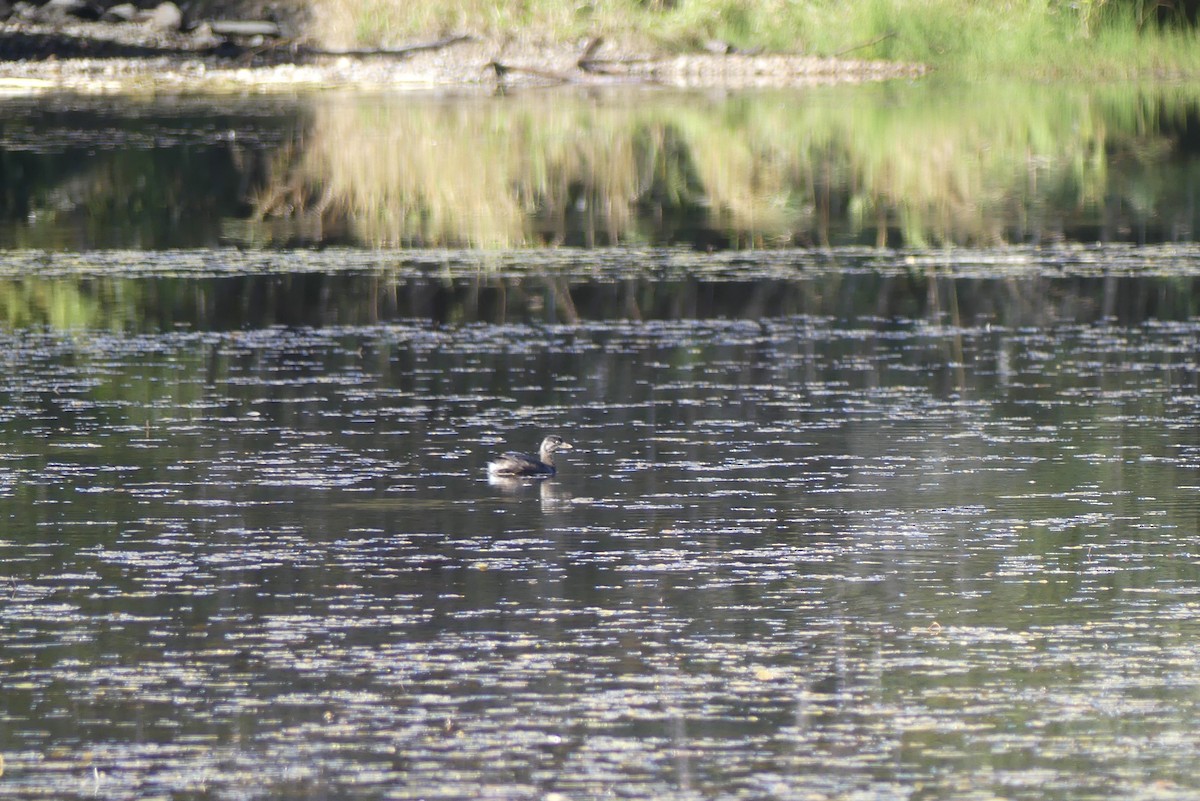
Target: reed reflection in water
[(894, 164), (316, 300), (899, 164)]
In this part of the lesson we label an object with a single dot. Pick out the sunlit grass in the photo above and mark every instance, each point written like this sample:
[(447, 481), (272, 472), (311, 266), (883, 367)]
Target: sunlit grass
[(1097, 39)]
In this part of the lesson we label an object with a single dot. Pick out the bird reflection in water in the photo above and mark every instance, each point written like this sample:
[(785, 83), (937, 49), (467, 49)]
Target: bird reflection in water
[(551, 493)]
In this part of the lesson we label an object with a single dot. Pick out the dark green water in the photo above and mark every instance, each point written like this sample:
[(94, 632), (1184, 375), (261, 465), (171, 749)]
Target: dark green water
[(857, 533)]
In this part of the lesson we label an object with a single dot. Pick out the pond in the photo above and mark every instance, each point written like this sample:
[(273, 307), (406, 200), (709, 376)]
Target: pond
[(848, 521)]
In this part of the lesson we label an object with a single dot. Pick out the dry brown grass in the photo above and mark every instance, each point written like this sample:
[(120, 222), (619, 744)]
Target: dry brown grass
[(390, 23)]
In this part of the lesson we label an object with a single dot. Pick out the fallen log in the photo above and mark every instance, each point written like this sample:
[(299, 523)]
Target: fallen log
[(503, 70), (394, 52)]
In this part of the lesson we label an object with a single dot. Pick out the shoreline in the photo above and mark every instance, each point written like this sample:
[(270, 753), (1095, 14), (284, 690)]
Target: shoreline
[(97, 61)]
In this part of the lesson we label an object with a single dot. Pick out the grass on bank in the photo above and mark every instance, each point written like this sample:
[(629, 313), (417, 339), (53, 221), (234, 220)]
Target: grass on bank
[(1107, 39)]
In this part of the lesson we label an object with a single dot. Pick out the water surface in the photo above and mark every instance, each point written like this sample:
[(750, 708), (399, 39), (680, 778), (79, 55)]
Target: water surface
[(896, 164), (861, 532)]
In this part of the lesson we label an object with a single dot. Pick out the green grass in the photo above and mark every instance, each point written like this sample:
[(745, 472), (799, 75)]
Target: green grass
[(1093, 39)]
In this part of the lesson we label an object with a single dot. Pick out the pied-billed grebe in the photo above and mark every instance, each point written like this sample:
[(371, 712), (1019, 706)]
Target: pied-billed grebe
[(522, 464)]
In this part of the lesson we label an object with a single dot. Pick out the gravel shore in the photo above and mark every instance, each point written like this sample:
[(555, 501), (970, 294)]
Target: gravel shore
[(98, 57)]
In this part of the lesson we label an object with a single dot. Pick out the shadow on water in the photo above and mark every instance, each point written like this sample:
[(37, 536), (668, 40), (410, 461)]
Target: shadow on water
[(897, 164), (83, 173), (329, 300)]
